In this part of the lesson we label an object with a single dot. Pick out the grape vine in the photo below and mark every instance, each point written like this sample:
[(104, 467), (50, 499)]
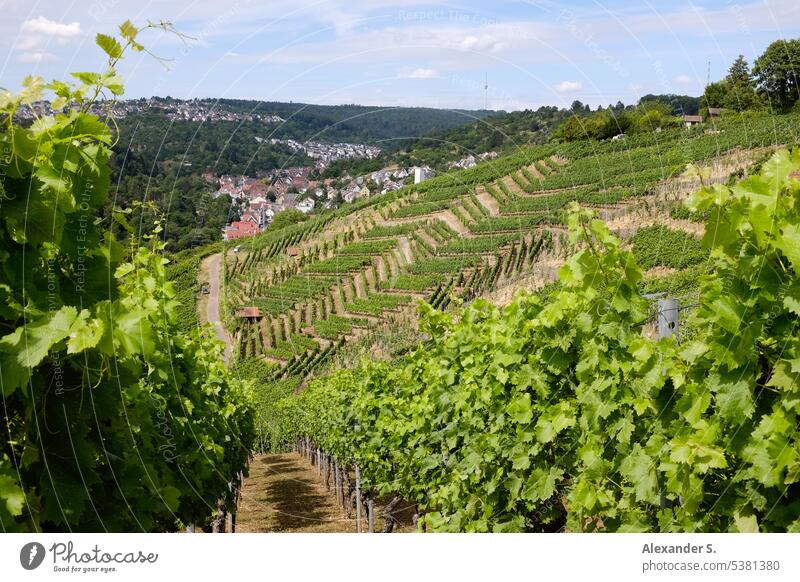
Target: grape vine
[(115, 418), (557, 413)]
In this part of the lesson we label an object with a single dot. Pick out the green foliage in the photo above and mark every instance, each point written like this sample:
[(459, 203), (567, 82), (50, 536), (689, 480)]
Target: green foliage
[(480, 244), (411, 282), (336, 326), (286, 218), (394, 230), (776, 76), (373, 247), (645, 118), (659, 245), (182, 273), (518, 223), (443, 265), (342, 264), (558, 413), (377, 303), (144, 425), (679, 104), (506, 131)]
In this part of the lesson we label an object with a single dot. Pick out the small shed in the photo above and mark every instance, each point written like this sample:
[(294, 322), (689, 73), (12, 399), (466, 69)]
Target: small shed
[(715, 111), (692, 120), (248, 313)]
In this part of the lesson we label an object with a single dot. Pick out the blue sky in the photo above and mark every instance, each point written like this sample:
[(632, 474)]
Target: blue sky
[(402, 52)]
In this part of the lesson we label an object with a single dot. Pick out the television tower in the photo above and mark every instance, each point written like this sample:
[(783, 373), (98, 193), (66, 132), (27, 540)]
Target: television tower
[(486, 93)]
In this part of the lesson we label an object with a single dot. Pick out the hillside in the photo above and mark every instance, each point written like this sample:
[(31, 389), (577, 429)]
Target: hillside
[(454, 412), (488, 231), (502, 132), (166, 145), (224, 141)]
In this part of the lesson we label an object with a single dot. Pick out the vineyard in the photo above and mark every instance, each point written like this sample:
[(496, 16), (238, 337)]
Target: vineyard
[(473, 233), (466, 233), (561, 415), (580, 336)]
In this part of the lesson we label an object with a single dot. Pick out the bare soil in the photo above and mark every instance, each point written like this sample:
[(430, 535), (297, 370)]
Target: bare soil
[(284, 494)]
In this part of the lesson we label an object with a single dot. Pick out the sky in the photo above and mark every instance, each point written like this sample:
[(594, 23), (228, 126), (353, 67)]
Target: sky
[(400, 52)]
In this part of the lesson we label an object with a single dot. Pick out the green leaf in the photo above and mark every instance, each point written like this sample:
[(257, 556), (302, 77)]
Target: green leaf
[(541, 485), (87, 78), (734, 398), (85, 334), (39, 337), (746, 521), (171, 497), (789, 243), (110, 45), (11, 494), (640, 470), (128, 31), (520, 409)]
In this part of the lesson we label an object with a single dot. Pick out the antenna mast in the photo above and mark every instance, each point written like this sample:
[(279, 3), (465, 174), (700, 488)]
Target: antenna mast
[(486, 93)]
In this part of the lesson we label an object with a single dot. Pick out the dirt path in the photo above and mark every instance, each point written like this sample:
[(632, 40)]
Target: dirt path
[(535, 172), (358, 285), (513, 186), (488, 201), (212, 308), (450, 219), (381, 269), (284, 494), (405, 248)]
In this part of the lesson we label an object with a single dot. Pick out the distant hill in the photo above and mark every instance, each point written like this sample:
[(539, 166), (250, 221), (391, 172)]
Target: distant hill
[(504, 131), (384, 126), (230, 146)]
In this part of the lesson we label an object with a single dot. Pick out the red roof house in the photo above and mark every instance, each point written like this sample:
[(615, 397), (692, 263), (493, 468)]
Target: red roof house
[(240, 229)]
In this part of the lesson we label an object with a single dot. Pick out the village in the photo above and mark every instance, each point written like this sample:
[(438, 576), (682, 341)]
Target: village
[(260, 198), (329, 152), (174, 109)]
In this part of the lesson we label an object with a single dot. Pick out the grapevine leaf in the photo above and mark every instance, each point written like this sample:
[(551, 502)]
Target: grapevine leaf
[(11, 494), (110, 45), (38, 338), (639, 469), (735, 399), (746, 522), (541, 484), (789, 243), (85, 334), (171, 497), (87, 78), (128, 31), (520, 409)]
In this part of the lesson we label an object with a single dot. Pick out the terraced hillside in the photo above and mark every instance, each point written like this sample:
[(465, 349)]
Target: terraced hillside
[(489, 231)]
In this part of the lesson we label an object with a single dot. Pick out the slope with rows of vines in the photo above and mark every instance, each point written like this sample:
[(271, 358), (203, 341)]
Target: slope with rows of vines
[(329, 282)]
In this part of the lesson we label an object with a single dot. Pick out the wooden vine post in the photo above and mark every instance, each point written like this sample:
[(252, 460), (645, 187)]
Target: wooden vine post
[(358, 499), (371, 513)]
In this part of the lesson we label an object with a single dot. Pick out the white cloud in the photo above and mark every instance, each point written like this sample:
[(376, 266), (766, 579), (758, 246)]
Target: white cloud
[(35, 34), (569, 86), (683, 80), (485, 43), (37, 57), (51, 28), (419, 74)]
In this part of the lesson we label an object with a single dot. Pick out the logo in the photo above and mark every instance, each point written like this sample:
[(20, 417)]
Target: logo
[(31, 555)]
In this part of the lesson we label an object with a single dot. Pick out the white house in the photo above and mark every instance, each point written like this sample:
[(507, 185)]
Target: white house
[(421, 174), (306, 205)]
